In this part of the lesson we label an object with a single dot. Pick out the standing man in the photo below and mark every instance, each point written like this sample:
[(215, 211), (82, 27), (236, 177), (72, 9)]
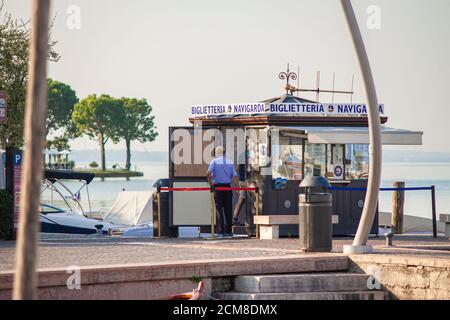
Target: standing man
[(221, 173)]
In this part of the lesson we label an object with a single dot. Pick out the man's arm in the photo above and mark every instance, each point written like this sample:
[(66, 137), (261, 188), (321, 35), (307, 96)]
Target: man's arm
[(209, 172), (208, 175), (235, 181)]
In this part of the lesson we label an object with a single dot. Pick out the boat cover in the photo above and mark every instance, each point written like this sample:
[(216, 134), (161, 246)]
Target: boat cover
[(131, 208), (53, 175)]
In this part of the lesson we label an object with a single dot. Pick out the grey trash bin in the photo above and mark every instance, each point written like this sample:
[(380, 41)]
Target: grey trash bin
[(315, 217), (166, 229)]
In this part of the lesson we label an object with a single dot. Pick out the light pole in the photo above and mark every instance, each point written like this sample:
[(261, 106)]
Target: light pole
[(375, 150), (25, 279)]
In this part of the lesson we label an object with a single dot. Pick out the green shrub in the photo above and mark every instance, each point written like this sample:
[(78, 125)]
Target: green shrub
[(93, 164), (6, 215)]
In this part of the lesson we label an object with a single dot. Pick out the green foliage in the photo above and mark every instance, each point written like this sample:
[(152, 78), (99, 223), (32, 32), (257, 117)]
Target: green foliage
[(98, 118), (14, 48), (137, 123), (6, 215), (197, 279), (61, 101), (59, 143), (93, 164)]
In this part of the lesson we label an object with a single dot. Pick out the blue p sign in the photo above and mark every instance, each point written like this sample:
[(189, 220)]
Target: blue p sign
[(17, 159)]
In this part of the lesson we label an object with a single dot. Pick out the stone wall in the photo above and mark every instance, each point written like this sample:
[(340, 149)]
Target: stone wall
[(407, 278)]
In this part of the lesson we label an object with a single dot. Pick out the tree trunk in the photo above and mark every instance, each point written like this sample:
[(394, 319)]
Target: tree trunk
[(101, 142), (25, 279), (128, 162)]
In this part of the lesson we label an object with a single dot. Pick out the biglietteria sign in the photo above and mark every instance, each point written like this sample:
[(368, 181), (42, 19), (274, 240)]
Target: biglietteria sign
[(304, 109), (322, 109), (223, 109)]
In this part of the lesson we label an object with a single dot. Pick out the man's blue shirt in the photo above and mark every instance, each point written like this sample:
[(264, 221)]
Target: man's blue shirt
[(222, 170)]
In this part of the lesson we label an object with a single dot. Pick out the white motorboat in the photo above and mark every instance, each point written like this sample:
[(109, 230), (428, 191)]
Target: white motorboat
[(73, 219)]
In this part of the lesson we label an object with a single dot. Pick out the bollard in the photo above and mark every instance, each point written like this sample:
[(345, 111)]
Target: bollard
[(433, 208), (257, 210), (158, 197), (398, 203), (212, 211), (389, 238)]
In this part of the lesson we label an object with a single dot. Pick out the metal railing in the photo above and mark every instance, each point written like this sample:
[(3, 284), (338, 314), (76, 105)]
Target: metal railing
[(211, 189), (431, 188)]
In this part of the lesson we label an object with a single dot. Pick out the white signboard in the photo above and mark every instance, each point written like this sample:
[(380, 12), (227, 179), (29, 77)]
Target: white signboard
[(227, 109), (306, 109), (338, 172), (321, 109)]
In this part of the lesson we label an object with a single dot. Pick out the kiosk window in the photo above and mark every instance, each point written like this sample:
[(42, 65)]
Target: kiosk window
[(315, 159), (287, 157), (357, 161)]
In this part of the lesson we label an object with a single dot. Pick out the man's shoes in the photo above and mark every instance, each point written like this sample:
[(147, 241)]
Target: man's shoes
[(228, 235)]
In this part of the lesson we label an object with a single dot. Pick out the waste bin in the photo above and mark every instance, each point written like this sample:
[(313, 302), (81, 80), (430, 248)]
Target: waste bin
[(166, 229), (315, 217)]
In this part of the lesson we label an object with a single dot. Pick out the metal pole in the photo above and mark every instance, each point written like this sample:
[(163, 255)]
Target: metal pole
[(212, 212), (371, 201), (398, 204), (257, 210), (158, 198), (433, 206), (25, 280)]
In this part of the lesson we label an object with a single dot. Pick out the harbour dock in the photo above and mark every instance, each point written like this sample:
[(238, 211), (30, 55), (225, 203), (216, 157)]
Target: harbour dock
[(416, 267)]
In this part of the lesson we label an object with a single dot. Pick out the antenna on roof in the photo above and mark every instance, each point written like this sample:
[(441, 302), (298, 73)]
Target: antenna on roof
[(334, 79), (289, 75), (353, 83), (318, 86)]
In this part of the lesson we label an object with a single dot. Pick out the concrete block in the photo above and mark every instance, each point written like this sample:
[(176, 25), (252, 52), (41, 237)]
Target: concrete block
[(353, 295), (291, 283), (269, 232), (349, 249)]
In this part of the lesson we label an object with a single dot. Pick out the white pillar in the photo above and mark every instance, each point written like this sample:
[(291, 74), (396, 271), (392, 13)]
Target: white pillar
[(371, 201)]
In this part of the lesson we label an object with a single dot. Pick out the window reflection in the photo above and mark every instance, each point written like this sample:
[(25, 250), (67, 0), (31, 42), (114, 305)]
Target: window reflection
[(315, 159), (293, 158), (357, 161), (287, 157)]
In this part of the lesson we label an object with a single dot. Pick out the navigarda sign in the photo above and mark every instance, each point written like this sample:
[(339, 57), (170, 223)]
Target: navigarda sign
[(304, 109), (224, 109), (321, 109)]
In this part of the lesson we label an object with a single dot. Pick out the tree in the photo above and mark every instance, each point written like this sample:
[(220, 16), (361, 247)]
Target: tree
[(61, 101), (98, 118), (14, 59), (137, 123)]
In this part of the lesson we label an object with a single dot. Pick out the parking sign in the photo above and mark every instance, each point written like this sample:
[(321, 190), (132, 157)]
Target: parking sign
[(2, 107)]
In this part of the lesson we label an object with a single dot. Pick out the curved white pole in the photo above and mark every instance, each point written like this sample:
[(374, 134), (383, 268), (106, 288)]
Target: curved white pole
[(371, 201)]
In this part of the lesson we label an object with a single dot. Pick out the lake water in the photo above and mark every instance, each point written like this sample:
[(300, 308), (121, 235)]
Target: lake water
[(417, 203)]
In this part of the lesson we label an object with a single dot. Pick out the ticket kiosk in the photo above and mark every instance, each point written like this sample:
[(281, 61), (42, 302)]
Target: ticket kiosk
[(280, 142)]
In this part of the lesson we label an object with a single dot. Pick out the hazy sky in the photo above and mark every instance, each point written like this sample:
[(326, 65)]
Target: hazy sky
[(179, 53)]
